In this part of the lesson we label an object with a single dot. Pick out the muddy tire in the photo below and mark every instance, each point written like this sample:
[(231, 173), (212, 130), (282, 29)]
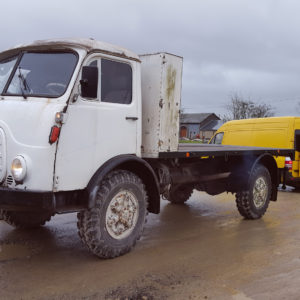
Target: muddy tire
[(25, 220), (113, 226), (180, 194), (253, 203)]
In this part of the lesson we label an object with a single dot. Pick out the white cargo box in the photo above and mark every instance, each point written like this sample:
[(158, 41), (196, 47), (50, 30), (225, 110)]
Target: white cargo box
[(161, 96)]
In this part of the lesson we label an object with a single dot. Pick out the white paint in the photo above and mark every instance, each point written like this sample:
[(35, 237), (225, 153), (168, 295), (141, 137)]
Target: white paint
[(161, 95), (2, 155), (94, 131), (26, 124)]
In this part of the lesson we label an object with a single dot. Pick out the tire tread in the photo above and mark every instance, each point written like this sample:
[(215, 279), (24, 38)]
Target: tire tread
[(88, 219), (243, 200)]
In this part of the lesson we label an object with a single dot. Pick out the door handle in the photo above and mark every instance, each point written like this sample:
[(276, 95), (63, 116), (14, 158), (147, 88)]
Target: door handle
[(132, 118)]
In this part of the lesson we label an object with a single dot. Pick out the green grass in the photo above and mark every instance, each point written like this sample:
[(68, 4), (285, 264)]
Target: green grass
[(189, 142)]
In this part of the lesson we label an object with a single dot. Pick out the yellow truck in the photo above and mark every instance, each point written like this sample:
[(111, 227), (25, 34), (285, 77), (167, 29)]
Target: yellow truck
[(275, 132)]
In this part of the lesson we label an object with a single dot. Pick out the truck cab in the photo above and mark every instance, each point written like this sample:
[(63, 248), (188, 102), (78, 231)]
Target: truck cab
[(44, 95)]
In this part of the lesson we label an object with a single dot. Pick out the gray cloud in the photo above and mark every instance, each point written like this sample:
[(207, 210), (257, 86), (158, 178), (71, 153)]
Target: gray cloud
[(245, 46)]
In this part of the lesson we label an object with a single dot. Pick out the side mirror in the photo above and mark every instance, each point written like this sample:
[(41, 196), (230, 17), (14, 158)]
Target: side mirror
[(89, 82)]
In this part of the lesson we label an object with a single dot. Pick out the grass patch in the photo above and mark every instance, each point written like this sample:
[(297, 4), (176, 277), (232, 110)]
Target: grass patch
[(190, 142)]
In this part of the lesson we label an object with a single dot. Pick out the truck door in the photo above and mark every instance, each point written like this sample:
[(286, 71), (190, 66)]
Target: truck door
[(97, 129)]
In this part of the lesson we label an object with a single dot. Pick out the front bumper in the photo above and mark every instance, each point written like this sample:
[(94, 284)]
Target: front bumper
[(20, 200)]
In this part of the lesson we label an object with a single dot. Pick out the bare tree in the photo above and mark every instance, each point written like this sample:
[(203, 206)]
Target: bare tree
[(238, 108)]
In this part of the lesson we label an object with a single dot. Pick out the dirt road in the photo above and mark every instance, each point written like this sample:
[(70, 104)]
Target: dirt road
[(201, 250)]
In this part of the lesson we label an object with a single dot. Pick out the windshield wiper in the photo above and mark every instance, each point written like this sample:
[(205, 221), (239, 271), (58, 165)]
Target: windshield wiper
[(23, 84)]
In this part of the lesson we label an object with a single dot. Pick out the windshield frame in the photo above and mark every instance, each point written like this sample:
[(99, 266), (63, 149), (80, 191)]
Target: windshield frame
[(14, 70)]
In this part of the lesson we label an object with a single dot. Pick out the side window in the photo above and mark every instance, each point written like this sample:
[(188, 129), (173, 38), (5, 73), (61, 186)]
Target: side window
[(95, 90), (219, 138), (116, 82)]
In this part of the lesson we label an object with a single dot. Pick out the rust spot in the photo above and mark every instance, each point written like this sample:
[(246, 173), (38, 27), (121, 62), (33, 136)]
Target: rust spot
[(161, 103), (171, 79), (122, 55)]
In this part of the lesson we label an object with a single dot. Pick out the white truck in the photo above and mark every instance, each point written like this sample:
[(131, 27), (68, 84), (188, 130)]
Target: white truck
[(90, 127)]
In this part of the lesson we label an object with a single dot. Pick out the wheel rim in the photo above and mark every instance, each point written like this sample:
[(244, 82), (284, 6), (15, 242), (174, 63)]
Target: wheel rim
[(122, 215), (260, 192)]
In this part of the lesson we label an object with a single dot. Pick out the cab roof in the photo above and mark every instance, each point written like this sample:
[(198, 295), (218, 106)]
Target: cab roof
[(89, 45)]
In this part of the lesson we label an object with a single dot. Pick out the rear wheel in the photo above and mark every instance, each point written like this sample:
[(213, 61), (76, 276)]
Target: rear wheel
[(113, 226), (180, 193), (25, 220), (253, 203)]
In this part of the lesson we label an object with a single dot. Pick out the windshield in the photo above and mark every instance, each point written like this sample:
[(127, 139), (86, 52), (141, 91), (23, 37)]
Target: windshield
[(39, 74), (217, 139)]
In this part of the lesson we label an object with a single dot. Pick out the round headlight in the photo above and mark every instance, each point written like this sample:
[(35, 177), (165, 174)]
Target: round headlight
[(18, 168)]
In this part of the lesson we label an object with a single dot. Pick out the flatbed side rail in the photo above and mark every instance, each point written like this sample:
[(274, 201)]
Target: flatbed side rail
[(196, 151)]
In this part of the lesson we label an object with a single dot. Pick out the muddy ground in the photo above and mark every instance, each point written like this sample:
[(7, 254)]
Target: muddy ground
[(201, 250)]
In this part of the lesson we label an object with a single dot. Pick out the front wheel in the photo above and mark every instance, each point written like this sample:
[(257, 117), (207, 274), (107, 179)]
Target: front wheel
[(253, 203), (113, 226)]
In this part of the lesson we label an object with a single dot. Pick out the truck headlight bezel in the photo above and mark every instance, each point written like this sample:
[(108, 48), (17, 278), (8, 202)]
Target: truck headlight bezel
[(19, 168)]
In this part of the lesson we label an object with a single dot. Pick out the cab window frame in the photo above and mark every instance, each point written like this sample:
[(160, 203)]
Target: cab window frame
[(99, 57)]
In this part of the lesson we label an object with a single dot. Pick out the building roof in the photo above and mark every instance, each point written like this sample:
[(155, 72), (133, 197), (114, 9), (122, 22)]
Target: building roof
[(87, 44), (213, 125), (195, 118)]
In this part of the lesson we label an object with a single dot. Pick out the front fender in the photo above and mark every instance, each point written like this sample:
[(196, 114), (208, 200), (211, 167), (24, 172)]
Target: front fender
[(135, 165)]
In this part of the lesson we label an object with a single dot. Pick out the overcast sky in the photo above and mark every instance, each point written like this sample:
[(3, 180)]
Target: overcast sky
[(249, 47)]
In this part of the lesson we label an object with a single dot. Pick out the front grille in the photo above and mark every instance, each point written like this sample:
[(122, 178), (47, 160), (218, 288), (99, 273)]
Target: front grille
[(9, 180), (2, 155)]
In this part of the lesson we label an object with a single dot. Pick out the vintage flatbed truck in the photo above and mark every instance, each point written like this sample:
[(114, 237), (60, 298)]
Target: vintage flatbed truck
[(90, 127)]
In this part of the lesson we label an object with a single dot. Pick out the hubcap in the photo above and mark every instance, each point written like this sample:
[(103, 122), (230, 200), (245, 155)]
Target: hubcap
[(260, 192), (122, 215)]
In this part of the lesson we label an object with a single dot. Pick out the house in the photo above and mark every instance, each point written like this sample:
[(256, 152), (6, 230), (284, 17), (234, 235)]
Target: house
[(200, 125), (208, 130)]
